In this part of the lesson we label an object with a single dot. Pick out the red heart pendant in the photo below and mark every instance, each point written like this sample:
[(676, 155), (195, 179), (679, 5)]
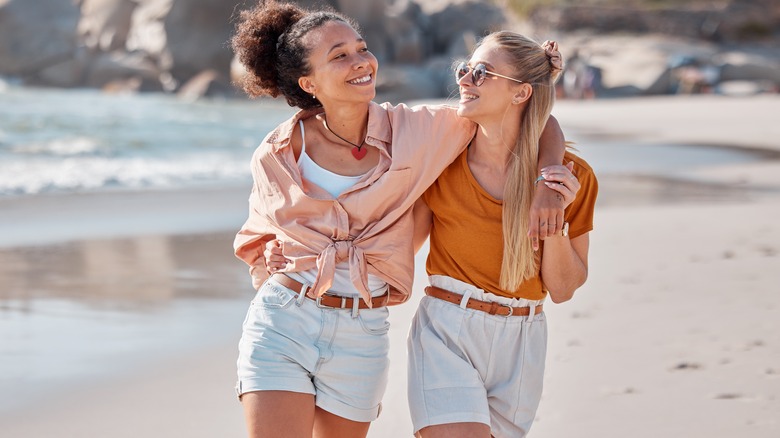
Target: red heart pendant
[(359, 153)]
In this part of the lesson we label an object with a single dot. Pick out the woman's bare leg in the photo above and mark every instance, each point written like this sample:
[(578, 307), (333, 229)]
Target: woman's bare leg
[(327, 425), (278, 414), (456, 430)]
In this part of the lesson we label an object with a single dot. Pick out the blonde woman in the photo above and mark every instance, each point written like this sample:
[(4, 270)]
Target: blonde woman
[(478, 340)]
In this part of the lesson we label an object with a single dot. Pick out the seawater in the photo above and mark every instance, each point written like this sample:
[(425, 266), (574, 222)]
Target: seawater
[(82, 313), (102, 308), (74, 141)]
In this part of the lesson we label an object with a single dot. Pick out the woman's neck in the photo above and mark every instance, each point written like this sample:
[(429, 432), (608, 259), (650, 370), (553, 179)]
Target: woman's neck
[(348, 121), (494, 144)]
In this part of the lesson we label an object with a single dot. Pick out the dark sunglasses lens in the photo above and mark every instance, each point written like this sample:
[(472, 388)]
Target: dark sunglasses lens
[(478, 74), (461, 70)]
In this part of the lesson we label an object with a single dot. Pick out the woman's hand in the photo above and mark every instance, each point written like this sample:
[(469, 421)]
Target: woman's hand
[(274, 257), (561, 179), (548, 205), (546, 215)]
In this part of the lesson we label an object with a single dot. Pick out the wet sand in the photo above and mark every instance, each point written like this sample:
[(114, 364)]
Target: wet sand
[(117, 321)]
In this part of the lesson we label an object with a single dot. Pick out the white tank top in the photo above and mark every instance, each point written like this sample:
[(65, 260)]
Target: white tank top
[(334, 184)]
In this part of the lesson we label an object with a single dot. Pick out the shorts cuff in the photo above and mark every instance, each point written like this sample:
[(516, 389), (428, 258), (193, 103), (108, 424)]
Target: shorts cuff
[(346, 411), (293, 385), (455, 417)]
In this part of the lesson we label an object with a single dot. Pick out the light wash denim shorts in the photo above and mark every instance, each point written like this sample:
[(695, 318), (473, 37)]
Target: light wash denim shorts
[(466, 365), (340, 356)]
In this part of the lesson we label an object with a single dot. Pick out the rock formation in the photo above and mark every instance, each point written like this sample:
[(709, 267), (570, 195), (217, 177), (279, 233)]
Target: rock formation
[(183, 45)]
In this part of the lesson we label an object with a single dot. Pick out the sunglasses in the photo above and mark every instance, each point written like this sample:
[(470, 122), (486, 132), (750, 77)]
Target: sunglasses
[(478, 73)]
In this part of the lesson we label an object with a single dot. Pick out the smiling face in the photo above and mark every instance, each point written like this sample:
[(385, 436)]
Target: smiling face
[(496, 94), (342, 68)]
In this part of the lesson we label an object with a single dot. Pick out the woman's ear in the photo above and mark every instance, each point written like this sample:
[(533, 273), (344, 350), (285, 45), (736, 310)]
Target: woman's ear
[(523, 94), (307, 85)]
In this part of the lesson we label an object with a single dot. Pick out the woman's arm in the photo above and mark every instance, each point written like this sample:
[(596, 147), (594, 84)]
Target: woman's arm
[(565, 260), (423, 217), (565, 265), (251, 240), (547, 207)]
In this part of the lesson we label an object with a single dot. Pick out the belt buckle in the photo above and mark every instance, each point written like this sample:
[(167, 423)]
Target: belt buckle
[(324, 306), (511, 311)]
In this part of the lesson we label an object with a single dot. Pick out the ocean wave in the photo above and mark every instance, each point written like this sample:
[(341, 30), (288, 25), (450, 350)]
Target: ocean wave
[(75, 141), (89, 173), (59, 147)]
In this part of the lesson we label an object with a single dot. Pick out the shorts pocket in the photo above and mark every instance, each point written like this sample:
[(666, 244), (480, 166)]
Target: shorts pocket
[(273, 297), (374, 321), (445, 363)]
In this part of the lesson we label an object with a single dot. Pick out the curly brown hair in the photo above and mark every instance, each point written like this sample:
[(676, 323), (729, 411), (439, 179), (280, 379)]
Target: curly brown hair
[(268, 42)]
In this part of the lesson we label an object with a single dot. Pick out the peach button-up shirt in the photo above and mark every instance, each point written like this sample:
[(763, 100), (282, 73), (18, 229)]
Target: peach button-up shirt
[(370, 224)]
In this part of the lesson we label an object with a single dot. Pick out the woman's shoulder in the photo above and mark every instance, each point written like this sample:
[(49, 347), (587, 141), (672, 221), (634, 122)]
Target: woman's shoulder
[(428, 123), (581, 166), (439, 108), (285, 132)]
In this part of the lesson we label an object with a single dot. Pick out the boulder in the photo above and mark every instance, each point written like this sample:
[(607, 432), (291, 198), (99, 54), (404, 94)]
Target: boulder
[(405, 42), (369, 14), (365, 12), (68, 73), (461, 47), (748, 67), (147, 31), (105, 24), (735, 20), (198, 35), (440, 70), (208, 83), (749, 20), (406, 26), (403, 83), (35, 34), (108, 67), (131, 85), (455, 19)]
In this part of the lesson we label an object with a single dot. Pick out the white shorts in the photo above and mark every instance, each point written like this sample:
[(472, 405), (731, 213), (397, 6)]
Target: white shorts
[(291, 344), (466, 365)]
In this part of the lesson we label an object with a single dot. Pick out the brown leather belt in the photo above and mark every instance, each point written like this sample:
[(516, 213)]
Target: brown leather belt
[(330, 301), (485, 306)]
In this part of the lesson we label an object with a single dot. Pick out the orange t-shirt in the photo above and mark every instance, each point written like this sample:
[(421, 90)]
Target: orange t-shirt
[(466, 238)]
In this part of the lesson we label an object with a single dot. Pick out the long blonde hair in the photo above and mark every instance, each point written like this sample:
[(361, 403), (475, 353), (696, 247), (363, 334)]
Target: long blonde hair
[(532, 65)]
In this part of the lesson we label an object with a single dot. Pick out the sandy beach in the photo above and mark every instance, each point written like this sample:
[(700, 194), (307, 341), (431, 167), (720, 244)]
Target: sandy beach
[(116, 321)]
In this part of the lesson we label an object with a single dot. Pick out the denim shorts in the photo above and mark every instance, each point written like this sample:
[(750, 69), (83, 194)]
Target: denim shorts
[(466, 365), (289, 343)]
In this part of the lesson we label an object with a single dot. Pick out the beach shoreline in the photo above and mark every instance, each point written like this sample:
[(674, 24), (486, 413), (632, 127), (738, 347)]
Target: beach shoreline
[(655, 334)]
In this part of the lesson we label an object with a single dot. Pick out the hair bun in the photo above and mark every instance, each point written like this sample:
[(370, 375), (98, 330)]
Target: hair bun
[(286, 17), (256, 44), (554, 56)]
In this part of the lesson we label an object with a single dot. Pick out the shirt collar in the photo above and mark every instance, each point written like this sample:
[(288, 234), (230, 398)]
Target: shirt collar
[(378, 127)]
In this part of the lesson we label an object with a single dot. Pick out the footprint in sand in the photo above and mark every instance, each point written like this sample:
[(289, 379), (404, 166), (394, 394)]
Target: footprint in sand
[(619, 391), (686, 366)]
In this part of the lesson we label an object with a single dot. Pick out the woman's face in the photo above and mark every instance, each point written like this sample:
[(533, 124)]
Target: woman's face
[(492, 98), (342, 68)]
